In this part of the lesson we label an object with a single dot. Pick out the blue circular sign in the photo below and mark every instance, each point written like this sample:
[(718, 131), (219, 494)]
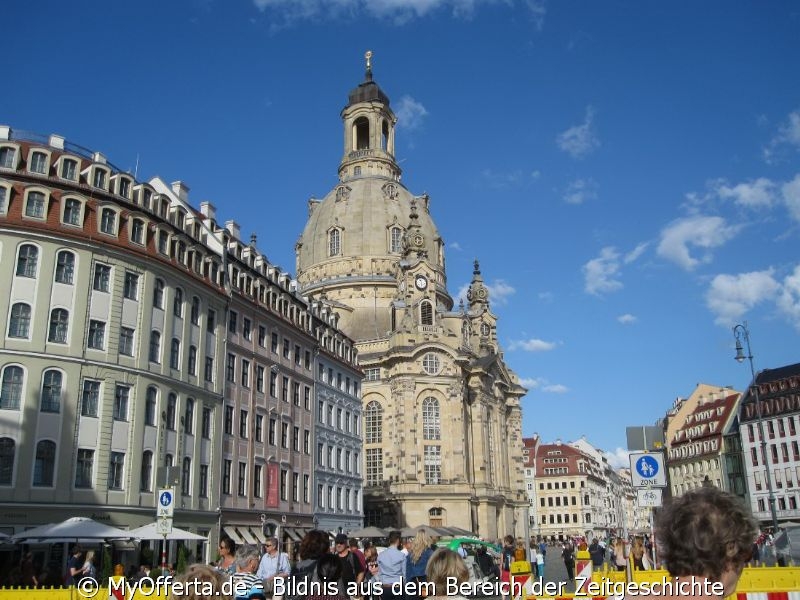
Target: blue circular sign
[(166, 498), (647, 467)]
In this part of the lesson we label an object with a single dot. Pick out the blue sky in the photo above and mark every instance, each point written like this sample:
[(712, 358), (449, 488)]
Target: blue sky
[(627, 173)]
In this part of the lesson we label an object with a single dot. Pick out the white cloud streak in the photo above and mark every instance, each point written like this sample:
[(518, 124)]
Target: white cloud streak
[(787, 137), (580, 140), (532, 345), (697, 231), (790, 193), (580, 190), (754, 194), (627, 319), (600, 274), (410, 113), (729, 297)]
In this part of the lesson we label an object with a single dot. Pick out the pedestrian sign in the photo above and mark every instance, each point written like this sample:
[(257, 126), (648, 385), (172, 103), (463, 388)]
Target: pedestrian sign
[(647, 469), (166, 503)]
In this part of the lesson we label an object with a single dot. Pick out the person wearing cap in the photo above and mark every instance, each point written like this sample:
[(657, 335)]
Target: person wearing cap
[(352, 571)]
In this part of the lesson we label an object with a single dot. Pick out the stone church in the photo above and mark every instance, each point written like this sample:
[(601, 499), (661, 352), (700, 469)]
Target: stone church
[(441, 419)]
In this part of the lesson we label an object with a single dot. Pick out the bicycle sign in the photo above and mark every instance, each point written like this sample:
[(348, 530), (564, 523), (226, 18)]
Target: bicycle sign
[(647, 469)]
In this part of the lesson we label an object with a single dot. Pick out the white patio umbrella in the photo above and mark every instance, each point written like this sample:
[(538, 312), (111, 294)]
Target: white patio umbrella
[(368, 532), (75, 528), (149, 532)]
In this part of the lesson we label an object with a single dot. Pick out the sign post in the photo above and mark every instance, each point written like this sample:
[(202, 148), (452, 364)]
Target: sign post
[(165, 508), (648, 476)]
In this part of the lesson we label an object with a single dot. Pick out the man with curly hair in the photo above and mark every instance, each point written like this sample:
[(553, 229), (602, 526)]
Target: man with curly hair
[(706, 534)]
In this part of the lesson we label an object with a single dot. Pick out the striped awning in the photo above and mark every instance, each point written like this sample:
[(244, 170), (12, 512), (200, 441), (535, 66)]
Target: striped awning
[(247, 535), (293, 535), (232, 533), (259, 535)]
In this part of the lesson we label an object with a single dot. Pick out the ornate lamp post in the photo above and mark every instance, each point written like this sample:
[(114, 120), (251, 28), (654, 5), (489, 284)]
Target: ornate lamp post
[(741, 332)]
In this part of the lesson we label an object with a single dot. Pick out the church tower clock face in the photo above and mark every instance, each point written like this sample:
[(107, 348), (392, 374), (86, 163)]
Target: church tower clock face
[(421, 282)]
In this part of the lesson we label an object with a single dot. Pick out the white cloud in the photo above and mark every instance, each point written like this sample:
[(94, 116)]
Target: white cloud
[(619, 458), (579, 140), (698, 231), (410, 113), (530, 382), (788, 135), (399, 12), (635, 253), (555, 388), (731, 296), (532, 345), (580, 190), (600, 274), (499, 291), (791, 197), (789, 299), (627, 319), (755, 194), (546, 296), (455, 246)]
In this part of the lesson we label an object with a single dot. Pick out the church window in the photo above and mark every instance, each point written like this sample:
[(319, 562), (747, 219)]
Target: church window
[(465, 331), (373, 423), (396, 244), (485, 329), (431, 363), (374, 461), (334, 242), (361, 132), (433, 464), (431, 419), (384, 135), (426, 312), (372, 374)]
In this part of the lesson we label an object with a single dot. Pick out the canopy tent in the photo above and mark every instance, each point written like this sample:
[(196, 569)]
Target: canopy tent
[(73, 529), (368, 532), (150, 532)]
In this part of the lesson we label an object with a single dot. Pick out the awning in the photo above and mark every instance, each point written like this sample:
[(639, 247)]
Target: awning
[(258, 534), (292, 534), (248, 537), (231, 531)]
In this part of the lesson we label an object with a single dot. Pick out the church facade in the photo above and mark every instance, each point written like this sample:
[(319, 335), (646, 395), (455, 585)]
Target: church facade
[(441, 409)]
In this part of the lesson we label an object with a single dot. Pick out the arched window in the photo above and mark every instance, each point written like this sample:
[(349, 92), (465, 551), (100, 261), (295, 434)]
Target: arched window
[(175, 354), (426, 312), (7, 451), (334, 242), (466, 331), (51, 391), (431, 363), (20, 323), (34, 207), (384, 135), (11, 391), (436, 517), (361, 133), (150, 403), (172, 407), (158, 294), (177, 303), (108, 221), (373, 423), (195, 314), (44, 465), (431, 419), (188, 417), (146, 474), (27, 260), (59, 322), (65, 267), (186, 472), (396, 243), (155, 347)]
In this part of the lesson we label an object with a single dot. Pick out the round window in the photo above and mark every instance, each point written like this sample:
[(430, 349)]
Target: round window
[(431, 364)]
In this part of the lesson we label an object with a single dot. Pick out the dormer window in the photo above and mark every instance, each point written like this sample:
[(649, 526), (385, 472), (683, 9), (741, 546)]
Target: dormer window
[(35, 205), (124, 187), (99, 178), (72, 211), (8, 155), (137, 231), (38, 162), (69, 169)]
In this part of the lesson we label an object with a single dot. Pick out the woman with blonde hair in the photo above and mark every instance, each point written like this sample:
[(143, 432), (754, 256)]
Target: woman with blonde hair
[(637, 552), (417, 560), (446, 567)]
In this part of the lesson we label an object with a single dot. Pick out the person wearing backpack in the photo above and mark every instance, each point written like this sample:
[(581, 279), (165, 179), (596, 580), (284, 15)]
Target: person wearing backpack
[(313, 546)]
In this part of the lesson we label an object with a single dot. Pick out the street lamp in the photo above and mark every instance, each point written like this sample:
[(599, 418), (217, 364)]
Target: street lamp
[(740, 332)]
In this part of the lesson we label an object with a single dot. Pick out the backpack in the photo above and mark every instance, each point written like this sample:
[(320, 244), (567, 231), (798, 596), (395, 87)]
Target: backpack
[(308, 573)]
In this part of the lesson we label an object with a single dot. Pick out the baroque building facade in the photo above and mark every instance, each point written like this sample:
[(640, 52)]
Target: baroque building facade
[(441, 409)]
